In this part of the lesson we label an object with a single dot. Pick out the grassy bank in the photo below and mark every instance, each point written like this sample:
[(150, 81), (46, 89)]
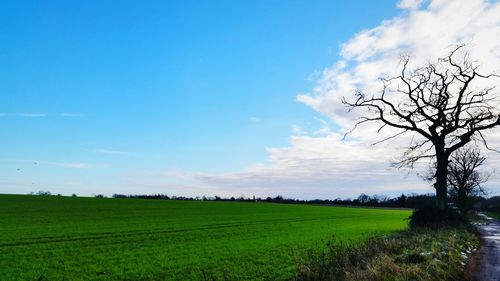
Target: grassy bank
[(65, 238), (416, 254)]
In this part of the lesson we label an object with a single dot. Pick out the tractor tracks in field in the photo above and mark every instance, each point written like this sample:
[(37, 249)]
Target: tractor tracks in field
[(151, 232)]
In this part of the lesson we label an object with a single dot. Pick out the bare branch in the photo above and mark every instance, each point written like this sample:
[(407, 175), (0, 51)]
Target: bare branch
[(436, 102)]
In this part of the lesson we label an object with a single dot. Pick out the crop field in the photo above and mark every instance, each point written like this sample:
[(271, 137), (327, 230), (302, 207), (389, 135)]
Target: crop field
[(70, 238)]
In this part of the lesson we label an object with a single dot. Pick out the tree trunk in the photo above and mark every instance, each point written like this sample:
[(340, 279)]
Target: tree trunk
[(441, 177), (462, 200)]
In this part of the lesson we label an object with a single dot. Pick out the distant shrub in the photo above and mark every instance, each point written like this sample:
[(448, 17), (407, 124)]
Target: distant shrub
[(45, 193), (431, 216)]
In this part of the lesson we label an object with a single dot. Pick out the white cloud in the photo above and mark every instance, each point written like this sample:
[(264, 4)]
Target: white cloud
[(297, 130), (313, 167), (109, 151), (67, 114), (255, 119), (410, 4), (325, 129), (32, 114), (423, 33), (71, 165)]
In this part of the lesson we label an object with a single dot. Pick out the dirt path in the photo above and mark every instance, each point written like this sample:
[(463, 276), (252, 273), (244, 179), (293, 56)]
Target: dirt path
[(489, 263)]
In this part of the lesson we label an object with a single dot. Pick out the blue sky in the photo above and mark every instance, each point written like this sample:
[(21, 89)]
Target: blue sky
[(194, 85), (223, 98)]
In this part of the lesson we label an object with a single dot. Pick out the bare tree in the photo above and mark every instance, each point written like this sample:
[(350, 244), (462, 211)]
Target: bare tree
[(438, 106), (464, 179)]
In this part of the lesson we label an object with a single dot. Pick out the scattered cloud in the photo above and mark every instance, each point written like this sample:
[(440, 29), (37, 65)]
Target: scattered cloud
[(109, 151), (71, 165), (314, 167), (297, 130), (311, 167), (410, 4), (32, 114), (325, 129), (255, 119), (66, 114)]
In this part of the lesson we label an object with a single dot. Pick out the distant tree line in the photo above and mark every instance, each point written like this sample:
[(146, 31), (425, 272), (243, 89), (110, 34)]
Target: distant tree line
[(411, 201), (491, 204), (402, 201)]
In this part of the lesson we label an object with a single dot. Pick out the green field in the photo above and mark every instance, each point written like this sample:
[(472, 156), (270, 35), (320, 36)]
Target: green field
[(494, 215), (66, 238)]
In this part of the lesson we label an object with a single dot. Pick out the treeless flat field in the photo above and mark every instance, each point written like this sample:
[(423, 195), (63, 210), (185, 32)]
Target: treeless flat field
[(70, 238)]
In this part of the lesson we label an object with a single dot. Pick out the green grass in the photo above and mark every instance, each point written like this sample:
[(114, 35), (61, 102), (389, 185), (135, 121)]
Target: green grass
[(65, 238), (494, 215)]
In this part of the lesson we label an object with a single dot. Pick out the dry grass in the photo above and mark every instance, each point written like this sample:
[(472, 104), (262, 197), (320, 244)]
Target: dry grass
[(417, 254)]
